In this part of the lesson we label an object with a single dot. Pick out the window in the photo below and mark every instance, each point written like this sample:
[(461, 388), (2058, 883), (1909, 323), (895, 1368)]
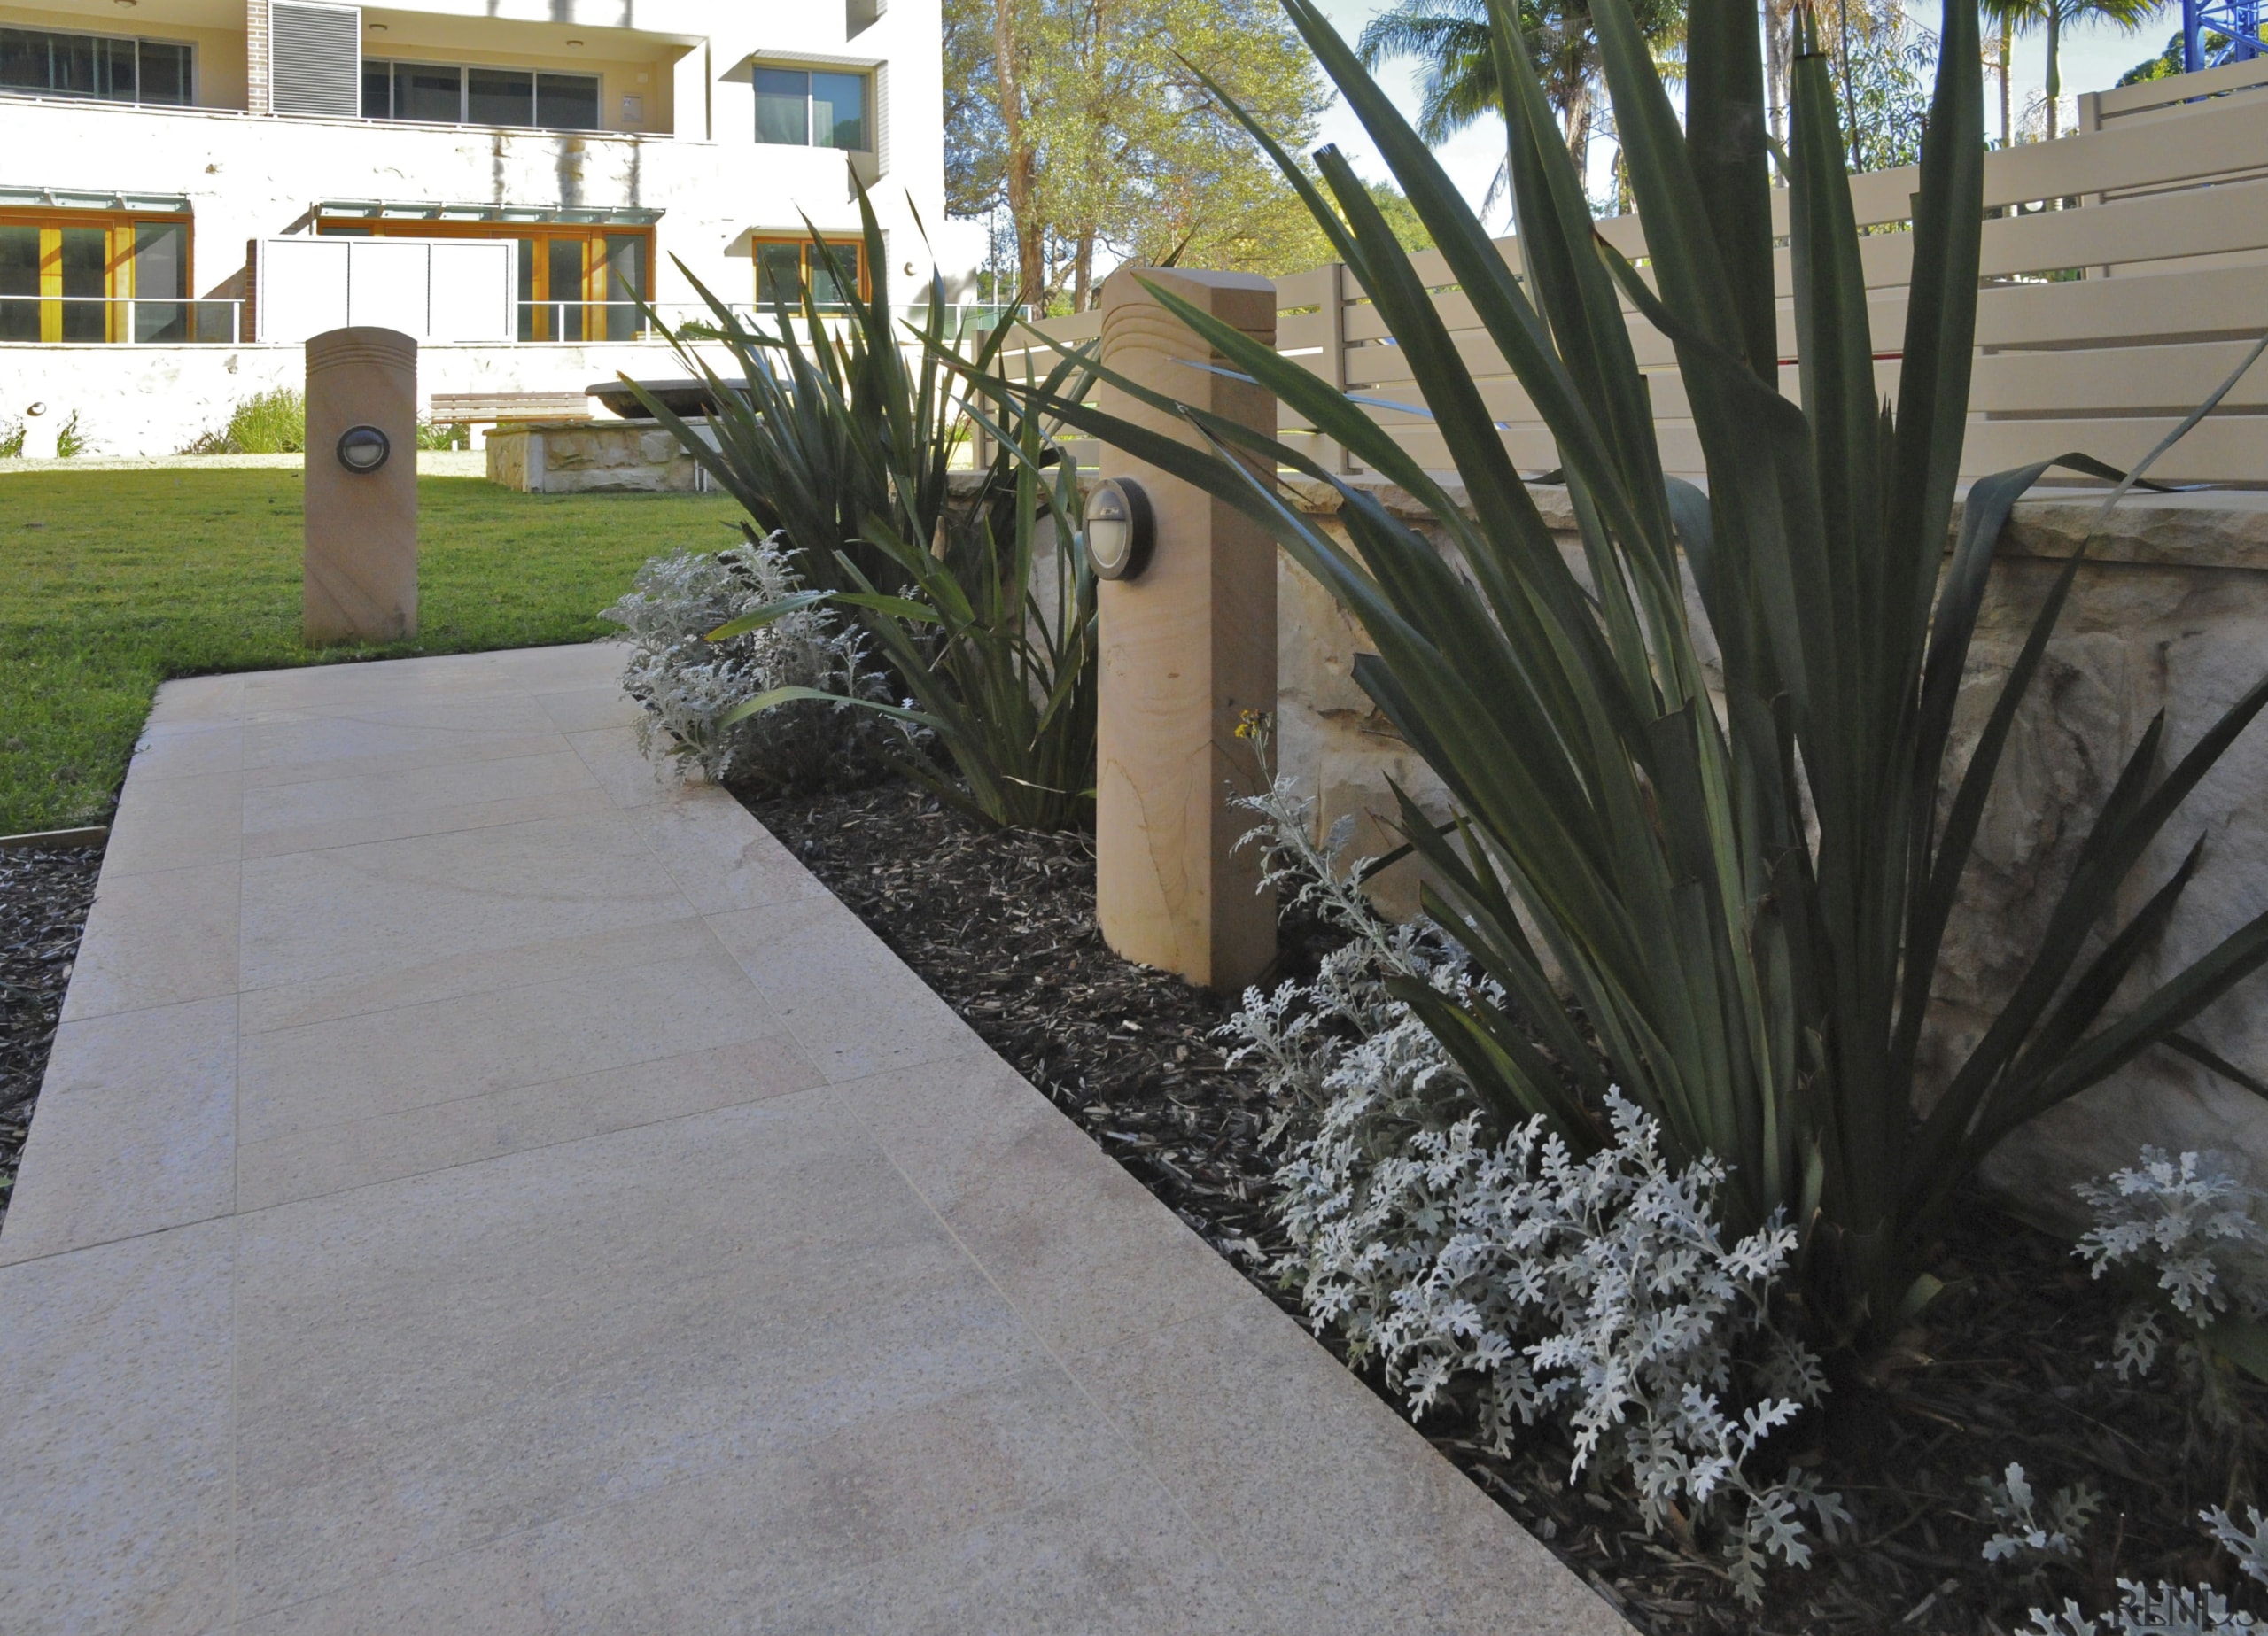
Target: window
[(812, 110), (42, 63), (576, 282), (93, 276), (783, 265), (443, 94)]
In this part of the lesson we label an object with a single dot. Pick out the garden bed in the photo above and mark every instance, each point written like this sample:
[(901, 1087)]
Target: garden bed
[(2010, 1369), (45, 895)]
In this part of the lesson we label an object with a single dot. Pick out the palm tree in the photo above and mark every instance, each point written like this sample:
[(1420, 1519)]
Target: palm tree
[(1451, 39), (2054, 16)]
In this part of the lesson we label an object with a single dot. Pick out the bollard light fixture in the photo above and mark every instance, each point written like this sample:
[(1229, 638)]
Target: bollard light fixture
[(363, 449), (1120, 528)]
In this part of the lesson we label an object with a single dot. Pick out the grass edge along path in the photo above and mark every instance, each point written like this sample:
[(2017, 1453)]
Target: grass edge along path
[(112, 581)]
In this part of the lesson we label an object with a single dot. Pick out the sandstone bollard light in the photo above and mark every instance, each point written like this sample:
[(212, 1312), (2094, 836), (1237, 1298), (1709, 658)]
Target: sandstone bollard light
[(362, 487), (1188, 647)]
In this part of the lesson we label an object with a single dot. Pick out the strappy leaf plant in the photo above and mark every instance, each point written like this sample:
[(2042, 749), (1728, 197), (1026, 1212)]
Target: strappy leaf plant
[(847, 443), (1740, 900)]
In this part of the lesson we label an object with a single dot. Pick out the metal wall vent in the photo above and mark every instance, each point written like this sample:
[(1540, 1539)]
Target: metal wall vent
[(315, 59)]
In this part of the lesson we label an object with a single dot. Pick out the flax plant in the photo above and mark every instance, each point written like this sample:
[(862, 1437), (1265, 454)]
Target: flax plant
[(1741, 902), (847, 444)]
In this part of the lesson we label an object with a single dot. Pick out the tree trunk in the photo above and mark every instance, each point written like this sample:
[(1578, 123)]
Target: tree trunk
[(2007, 46), (2054, 69), (1030, 240), (1083, 274), (1579, 133)]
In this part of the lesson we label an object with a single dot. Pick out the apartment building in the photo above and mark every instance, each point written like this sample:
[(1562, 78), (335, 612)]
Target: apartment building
[(154, 153)]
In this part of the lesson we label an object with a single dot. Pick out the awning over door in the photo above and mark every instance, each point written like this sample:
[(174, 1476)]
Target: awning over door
[(90, 199), (414, 210)]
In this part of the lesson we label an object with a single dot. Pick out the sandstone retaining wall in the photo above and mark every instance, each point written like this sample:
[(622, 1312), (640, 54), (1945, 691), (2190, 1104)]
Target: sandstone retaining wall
[(2172, 614)]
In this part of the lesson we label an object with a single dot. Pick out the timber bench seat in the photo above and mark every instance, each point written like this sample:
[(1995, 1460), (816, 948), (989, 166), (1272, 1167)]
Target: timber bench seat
[(475, 409)]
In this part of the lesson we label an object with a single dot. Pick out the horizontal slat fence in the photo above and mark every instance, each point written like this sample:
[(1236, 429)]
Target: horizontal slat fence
[(2125, 270)]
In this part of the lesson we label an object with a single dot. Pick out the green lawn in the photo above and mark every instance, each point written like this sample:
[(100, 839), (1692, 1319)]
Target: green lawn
[(112, 581)]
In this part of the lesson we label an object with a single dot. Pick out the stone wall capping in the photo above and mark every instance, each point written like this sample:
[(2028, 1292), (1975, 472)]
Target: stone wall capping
[(2200, 528)]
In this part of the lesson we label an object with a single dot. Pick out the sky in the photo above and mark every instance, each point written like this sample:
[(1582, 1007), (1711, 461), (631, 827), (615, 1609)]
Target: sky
[(2093, 57)]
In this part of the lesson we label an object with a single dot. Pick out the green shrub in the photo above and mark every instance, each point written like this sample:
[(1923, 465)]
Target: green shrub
[(11, 440), (1746, 902), (70, 443), (845, 447), (268, 422)]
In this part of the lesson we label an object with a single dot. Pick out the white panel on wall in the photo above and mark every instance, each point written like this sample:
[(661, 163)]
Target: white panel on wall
[(386, 284), (473, 288), (315, 59), (429, 289), (302, 287)]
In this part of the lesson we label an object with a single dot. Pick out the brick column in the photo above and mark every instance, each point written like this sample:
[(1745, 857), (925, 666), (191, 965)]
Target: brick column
[(256, 99)]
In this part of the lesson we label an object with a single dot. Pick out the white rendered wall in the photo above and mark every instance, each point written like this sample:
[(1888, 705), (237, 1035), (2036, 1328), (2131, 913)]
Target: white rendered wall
[(150, 401)]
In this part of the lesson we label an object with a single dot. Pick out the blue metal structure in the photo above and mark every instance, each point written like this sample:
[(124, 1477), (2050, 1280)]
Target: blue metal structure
[(2235, 23)]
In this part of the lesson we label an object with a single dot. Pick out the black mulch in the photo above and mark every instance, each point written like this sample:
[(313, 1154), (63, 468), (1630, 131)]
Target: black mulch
[(43, 898), (1002, 927)]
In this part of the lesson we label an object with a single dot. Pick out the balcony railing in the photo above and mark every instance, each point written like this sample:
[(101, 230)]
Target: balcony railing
[(134, 321), (623, 320), (130, 320)]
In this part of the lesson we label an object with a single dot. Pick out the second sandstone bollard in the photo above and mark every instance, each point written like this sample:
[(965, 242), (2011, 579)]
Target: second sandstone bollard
[(362, 487), (1188, 647)]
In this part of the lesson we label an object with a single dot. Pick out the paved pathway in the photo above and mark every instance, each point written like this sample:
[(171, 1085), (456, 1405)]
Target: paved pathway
[(478, 1189)]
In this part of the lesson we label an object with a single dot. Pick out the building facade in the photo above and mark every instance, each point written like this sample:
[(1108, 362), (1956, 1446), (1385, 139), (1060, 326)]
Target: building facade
[(622, 148)]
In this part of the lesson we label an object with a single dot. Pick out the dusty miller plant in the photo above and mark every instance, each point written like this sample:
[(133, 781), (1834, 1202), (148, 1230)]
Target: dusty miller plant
[(2177, 1226), (1512, 1275), (2027, 1531), (2168, 1609), (689, 685)]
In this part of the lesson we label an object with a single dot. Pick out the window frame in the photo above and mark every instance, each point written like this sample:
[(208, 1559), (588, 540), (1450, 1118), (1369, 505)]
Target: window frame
[(120, 229), (596, 274), (758, 243), (138, 41), (464, 72), (868, 78)]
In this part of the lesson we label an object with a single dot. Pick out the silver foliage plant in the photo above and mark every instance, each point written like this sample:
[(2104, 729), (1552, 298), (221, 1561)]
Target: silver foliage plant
[(1599, 1291), (688, 684), (2169, 1609), (2181, 1219), (2025, 1529)]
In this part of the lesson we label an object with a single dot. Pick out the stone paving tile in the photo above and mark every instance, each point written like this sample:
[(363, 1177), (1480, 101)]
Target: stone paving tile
[(721, 858), (295, 1082), (176, 823), (455, 1212), (1236, 1410), (136, 1129), (1114, 1557), (183, 750), (457, 973), (585, 710), (155, 940), (419, 899), (615, 760), (708, 1554), (1084, 1252), (332, 812), (427, 1364), (114, 1441), (198, 699), (330, 1158), (851, 1004)]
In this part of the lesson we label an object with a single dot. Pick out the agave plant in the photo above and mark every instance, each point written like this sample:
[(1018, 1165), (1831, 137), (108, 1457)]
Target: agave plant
[(847, 444), (1741, 902)]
